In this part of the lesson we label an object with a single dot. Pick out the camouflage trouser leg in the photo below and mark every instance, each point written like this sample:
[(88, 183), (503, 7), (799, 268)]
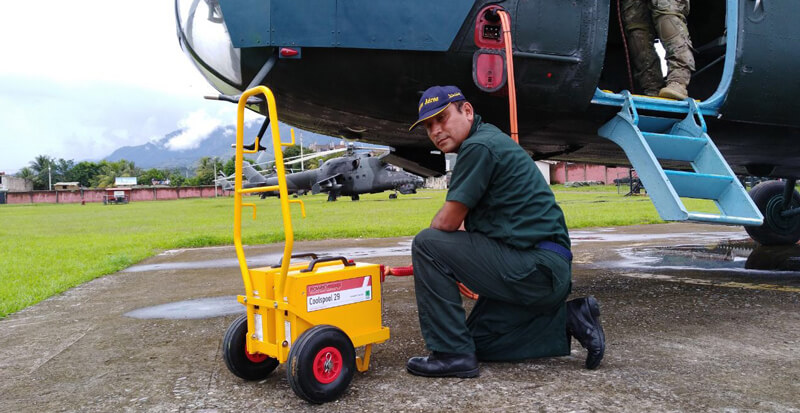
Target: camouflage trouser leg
[(669, 17), (636, 16)]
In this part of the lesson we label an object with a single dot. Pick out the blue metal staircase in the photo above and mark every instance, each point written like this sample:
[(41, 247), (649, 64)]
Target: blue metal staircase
[(648, 139)]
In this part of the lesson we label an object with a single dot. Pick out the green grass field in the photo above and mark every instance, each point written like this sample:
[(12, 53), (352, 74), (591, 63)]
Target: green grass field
[(47, 249)]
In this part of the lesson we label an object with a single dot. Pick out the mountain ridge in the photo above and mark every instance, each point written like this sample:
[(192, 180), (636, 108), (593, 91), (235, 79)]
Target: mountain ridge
[(157, 154)]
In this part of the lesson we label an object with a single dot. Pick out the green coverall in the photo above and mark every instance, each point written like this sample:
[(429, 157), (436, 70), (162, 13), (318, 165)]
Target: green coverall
[(521, 311)]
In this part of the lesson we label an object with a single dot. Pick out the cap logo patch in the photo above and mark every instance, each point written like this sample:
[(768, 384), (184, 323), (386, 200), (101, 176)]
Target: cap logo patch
[(428, 101)]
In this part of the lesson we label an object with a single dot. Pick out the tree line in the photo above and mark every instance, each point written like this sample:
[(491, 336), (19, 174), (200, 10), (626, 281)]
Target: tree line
[(45, 170)]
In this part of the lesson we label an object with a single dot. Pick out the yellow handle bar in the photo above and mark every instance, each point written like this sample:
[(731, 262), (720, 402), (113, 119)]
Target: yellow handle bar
[(281, 188)]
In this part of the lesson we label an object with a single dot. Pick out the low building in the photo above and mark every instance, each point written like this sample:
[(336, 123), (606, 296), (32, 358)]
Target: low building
[(563, 172), (67, 186), (316, 147), (13, 184)]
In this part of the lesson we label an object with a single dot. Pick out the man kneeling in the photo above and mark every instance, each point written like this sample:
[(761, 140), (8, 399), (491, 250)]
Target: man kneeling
[(501, 234)]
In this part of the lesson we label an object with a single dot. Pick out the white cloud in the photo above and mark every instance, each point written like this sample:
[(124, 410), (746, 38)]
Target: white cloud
[(198, 126), (79, 81), (131, 43)]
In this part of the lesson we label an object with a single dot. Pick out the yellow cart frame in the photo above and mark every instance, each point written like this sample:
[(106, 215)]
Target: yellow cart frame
[(285, 301)]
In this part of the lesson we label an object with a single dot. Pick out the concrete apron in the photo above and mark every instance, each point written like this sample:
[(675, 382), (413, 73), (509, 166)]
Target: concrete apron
[(680, 337)]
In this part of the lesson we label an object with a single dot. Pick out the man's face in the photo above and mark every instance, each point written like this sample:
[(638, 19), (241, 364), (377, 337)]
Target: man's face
[(450, 128)]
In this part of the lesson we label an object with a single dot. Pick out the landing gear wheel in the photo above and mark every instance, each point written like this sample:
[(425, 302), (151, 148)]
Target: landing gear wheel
[(776, 230), (249, 366), (321, 364), (355, 197), (392, 196)]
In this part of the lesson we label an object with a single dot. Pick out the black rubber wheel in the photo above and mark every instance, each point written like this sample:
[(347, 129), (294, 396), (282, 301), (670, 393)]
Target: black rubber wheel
[(241, 363), (776, 230), (392, 196), (321, 364), (355, 197)]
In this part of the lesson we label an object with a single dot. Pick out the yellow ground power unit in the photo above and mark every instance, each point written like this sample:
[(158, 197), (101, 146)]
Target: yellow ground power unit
[(311, 315)]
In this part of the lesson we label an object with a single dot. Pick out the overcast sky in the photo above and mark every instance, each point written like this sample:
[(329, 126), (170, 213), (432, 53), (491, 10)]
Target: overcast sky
[(80, 79)]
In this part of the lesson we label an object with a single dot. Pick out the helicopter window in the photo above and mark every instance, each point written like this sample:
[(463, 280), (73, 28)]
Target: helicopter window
[(202, 27)]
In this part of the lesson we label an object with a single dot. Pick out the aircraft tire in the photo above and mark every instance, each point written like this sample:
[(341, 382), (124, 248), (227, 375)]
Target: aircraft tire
[(239, 361), (776, 230)]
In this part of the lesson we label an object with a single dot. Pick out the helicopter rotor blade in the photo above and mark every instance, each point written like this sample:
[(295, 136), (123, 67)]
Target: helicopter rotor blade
[(315, 155)]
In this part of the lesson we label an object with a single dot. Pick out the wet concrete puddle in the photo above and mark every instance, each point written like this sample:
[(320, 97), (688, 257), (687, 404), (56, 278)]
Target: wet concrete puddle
[(727, 255), (400, 249), (222, 306), (731, 255), (191, 309), (740, 264)]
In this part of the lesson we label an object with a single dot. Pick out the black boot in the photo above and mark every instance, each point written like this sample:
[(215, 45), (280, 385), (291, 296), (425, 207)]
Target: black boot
[(444, 365), (583, 323)]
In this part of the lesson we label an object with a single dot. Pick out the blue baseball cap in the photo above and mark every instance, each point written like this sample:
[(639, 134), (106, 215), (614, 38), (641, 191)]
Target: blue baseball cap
[(435, 100)]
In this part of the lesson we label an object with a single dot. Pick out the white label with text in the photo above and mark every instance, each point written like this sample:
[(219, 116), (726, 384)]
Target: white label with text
[(337, 293)]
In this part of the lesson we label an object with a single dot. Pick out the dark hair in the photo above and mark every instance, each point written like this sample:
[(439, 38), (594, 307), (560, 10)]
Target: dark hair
[(459, 104)]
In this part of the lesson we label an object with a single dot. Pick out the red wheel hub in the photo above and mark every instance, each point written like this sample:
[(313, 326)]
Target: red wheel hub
[(327, 365), (254, 357)]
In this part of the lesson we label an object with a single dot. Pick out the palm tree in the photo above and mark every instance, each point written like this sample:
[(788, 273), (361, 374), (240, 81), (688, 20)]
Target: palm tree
[(40, 163), (41, 167), (205, 170), (110, 171), (62, 167), (26, 173)]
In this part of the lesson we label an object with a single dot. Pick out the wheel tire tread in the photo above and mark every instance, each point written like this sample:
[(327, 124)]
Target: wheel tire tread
[(238, 364), (761, 195), (296, 368)]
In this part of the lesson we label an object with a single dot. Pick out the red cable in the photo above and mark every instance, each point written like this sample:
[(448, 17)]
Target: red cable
[(409, 271), (505, 20), (400, 271)]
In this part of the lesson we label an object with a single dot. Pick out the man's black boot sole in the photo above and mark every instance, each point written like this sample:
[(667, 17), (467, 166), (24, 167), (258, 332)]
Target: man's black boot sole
[(467, 374)]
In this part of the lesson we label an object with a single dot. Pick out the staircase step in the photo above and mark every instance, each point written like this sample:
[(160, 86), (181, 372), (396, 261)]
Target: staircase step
[(674, 147), (655, 124), (723, 219), (695, 185), (647, 139)]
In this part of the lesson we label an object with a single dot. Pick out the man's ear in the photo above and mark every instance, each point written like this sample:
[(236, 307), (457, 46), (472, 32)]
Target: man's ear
[(469, 111)]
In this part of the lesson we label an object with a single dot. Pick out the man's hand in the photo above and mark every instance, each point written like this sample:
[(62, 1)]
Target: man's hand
[(451, 217)]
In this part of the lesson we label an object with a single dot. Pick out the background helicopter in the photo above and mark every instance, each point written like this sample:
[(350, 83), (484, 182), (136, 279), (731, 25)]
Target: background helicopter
[(349, 175)]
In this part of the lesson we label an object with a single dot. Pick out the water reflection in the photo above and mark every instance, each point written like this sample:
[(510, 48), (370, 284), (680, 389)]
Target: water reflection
[(726, 255), (775, 258), (191, 309)]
